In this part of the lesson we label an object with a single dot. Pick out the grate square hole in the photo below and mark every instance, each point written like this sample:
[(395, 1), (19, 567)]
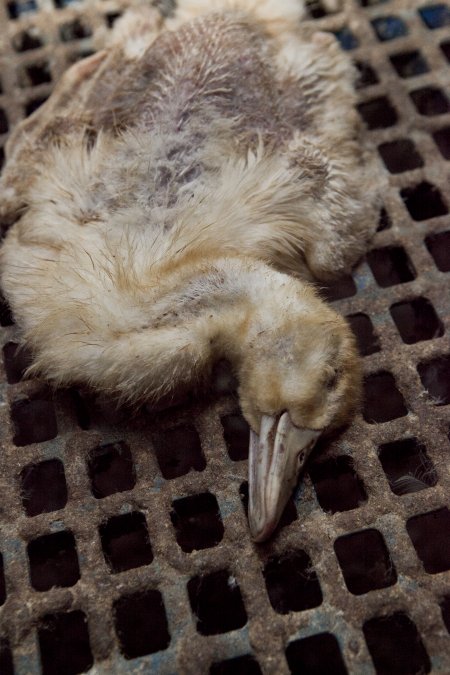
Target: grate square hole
[(53, 561), (16, 9), (430, 101), (2, 582), (445, 609), (64, 644), (2, 161), (4, 126), (6, 660), (363, 330), (365, 561), (395, 645), (439, 247), (378, 113), (125, 542), (316, 655), (416, 320), (435, 376), (367, 75), (389, 28), (435, 16), (81, 409), (384, 221), (36, 74), (6, 318), (442, 140), (409, 64), (27, 40), (407, 466), (423, 201), (344, 287), (445, 47), (75, 30), (287, 517), (34, 104), (237, 436), (16, 360), (337, 485), (141, 624), (390, 265), (430, 535), (197, 522), (217, 603), (241, 665), (111, 470), (43, 487), (178, 450), (292, 584), (34, 421), (399, 156), (382, 400), (347, 39)]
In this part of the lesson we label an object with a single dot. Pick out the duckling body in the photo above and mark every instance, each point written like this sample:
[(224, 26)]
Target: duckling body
[(172, 194)]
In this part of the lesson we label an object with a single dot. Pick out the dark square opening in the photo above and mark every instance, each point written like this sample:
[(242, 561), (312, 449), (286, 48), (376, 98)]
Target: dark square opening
[(287, 517), (390, 265), (316, 655), (439, 247), (141, 624), (346, 38), (6, 318), (366, 338), (430, 101), (378, 113), (292, 584), (217, 603), (43, 487), (34, 420), (4, 126), (125, 542), (81, 409), (64, 644), (237, 436), (395, 645), (423, 201), (409, 64), (442, 140), (6, 660), (16, 359), (241, 665), (399, 156), (344, 287), (382, 400), (36, 74), (435, 376), (407, 466), (34, 104), (435, 16), (430, 535), (178, 450), (111, 469), (445, 47), (366, 75), (416, 320), (389, 28), (53, 561), (337, 485), (16, 9), (2, 582), (197, 522), (365, 561), (27, 40), (74, 30), (445, 609)]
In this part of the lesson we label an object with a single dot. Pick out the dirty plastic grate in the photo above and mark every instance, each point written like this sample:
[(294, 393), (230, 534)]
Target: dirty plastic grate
[(124, 539)]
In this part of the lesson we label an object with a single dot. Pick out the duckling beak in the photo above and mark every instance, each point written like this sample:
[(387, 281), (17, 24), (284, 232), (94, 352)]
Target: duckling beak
[(276, 457)]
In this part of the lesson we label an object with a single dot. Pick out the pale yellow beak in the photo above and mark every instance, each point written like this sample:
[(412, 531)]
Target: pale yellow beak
[(276, 457)]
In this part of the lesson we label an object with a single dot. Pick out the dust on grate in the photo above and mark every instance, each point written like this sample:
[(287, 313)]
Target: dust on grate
[(124, 540)]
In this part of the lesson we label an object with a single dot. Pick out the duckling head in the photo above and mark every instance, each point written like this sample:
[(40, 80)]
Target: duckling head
[(299, 379)]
